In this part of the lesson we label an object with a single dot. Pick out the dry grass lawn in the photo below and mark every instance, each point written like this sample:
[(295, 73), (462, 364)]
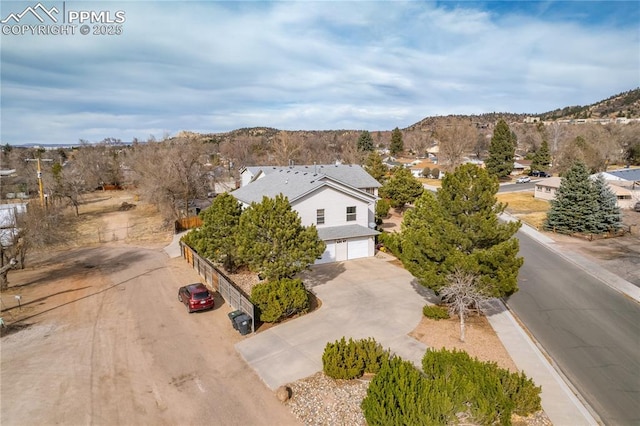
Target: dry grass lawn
[(525, 207)]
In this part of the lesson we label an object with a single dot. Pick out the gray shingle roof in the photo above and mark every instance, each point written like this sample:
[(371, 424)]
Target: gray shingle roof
[(351, 174), (626, 174), (294, 182), (346, 231), (292, 185)]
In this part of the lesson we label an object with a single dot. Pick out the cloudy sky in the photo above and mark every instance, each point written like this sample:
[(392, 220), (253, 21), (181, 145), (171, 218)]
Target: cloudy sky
[(210, 66)]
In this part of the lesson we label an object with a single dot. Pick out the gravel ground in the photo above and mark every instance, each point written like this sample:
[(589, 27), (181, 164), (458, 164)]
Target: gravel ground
[(321, 401)]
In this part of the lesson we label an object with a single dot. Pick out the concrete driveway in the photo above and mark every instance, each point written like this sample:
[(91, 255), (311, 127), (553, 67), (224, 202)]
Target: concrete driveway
[(360, 298)]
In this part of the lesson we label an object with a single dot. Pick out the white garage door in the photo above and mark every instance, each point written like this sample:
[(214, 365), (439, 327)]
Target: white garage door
[(358, 248), (329, 254)]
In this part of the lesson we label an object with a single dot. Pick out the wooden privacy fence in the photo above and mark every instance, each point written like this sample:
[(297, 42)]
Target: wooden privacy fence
[(185, 223), (230, 291)]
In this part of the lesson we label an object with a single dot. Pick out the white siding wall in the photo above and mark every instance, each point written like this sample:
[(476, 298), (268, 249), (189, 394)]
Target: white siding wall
[(335, 205)]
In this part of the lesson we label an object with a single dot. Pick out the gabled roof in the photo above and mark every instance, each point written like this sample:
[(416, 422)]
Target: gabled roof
[(350, 174), (293, 184), (625, 174)]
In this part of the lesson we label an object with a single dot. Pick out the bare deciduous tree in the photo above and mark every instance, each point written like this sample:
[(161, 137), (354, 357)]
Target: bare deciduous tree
[(171, 173), (456, 137), (462, 296), (37, 228), (286, 148)]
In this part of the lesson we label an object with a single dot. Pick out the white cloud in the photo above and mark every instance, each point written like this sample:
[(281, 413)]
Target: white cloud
[(209, 66)]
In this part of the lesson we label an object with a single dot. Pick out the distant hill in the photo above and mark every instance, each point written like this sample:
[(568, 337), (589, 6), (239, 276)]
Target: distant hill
[(625, 104), (622, 105)]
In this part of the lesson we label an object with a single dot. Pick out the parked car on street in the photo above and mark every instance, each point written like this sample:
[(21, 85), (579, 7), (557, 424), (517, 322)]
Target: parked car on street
[(523, 179), (637, 207), (538, 173), (196, 297)]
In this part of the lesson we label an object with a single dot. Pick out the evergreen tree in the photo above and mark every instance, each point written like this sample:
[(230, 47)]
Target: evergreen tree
[(458, 229), (365, 141), (396, 142), (609, 217), (575, 207), (215, 239), (375, 167), (273, 242), (542, 157), (402, 188), (501, 151)]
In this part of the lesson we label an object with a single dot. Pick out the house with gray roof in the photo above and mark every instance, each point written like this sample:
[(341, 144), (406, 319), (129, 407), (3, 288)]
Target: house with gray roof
[(626, 195), (339, 200)]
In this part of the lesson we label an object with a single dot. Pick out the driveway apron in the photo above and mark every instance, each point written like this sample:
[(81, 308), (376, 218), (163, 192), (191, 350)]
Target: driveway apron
[(360, 298)]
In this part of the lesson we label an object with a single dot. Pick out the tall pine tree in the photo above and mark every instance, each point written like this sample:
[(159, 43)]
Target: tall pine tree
[(542, 157), (609, 217), (365, 141), (396, 142), (575, 207), (215, 239), (458, 229), (273, 242), (375, 167), (402, 188), (501, 151)]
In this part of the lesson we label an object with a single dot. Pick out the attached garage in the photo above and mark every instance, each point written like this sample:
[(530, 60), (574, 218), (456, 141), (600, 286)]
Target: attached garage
[(357, 248), (329, 254), (346, 243)]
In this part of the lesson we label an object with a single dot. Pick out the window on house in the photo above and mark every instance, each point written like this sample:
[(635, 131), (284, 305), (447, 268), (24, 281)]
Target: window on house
[(547, 189), (351, 213), (320, 216)]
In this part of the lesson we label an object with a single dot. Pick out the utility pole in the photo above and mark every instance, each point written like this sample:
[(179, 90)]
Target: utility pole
[(39, 175)]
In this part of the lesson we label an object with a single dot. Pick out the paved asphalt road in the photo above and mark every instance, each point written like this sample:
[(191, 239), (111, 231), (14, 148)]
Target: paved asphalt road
[(590, 330), (512, 187)]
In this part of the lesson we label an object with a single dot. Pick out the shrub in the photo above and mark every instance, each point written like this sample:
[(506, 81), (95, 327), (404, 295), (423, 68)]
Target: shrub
[(435, 312), (391, 241), (435, 172), (349, 360), (451, 384), (280, 299), (426, 172)]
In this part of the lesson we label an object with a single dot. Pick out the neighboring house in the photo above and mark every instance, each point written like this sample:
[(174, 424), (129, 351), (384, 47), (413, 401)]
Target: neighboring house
[(624, 177), (520, 166), (8, 220), (340, 200), (545, 189)]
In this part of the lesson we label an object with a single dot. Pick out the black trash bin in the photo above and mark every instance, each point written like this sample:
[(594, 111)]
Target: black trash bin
[(233, 315), (243, 324)]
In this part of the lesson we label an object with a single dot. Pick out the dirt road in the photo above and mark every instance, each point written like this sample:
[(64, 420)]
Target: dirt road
[(108, 343)]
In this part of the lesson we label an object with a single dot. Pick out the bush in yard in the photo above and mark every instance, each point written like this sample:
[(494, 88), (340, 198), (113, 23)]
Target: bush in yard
[(391, 241), (435, 312), (399, 395), (280, 299), (349, 360), (491, 393), (452, 387)]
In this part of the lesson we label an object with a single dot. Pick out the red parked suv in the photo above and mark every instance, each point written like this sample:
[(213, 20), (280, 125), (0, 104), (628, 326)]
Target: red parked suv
[(196, 297)]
